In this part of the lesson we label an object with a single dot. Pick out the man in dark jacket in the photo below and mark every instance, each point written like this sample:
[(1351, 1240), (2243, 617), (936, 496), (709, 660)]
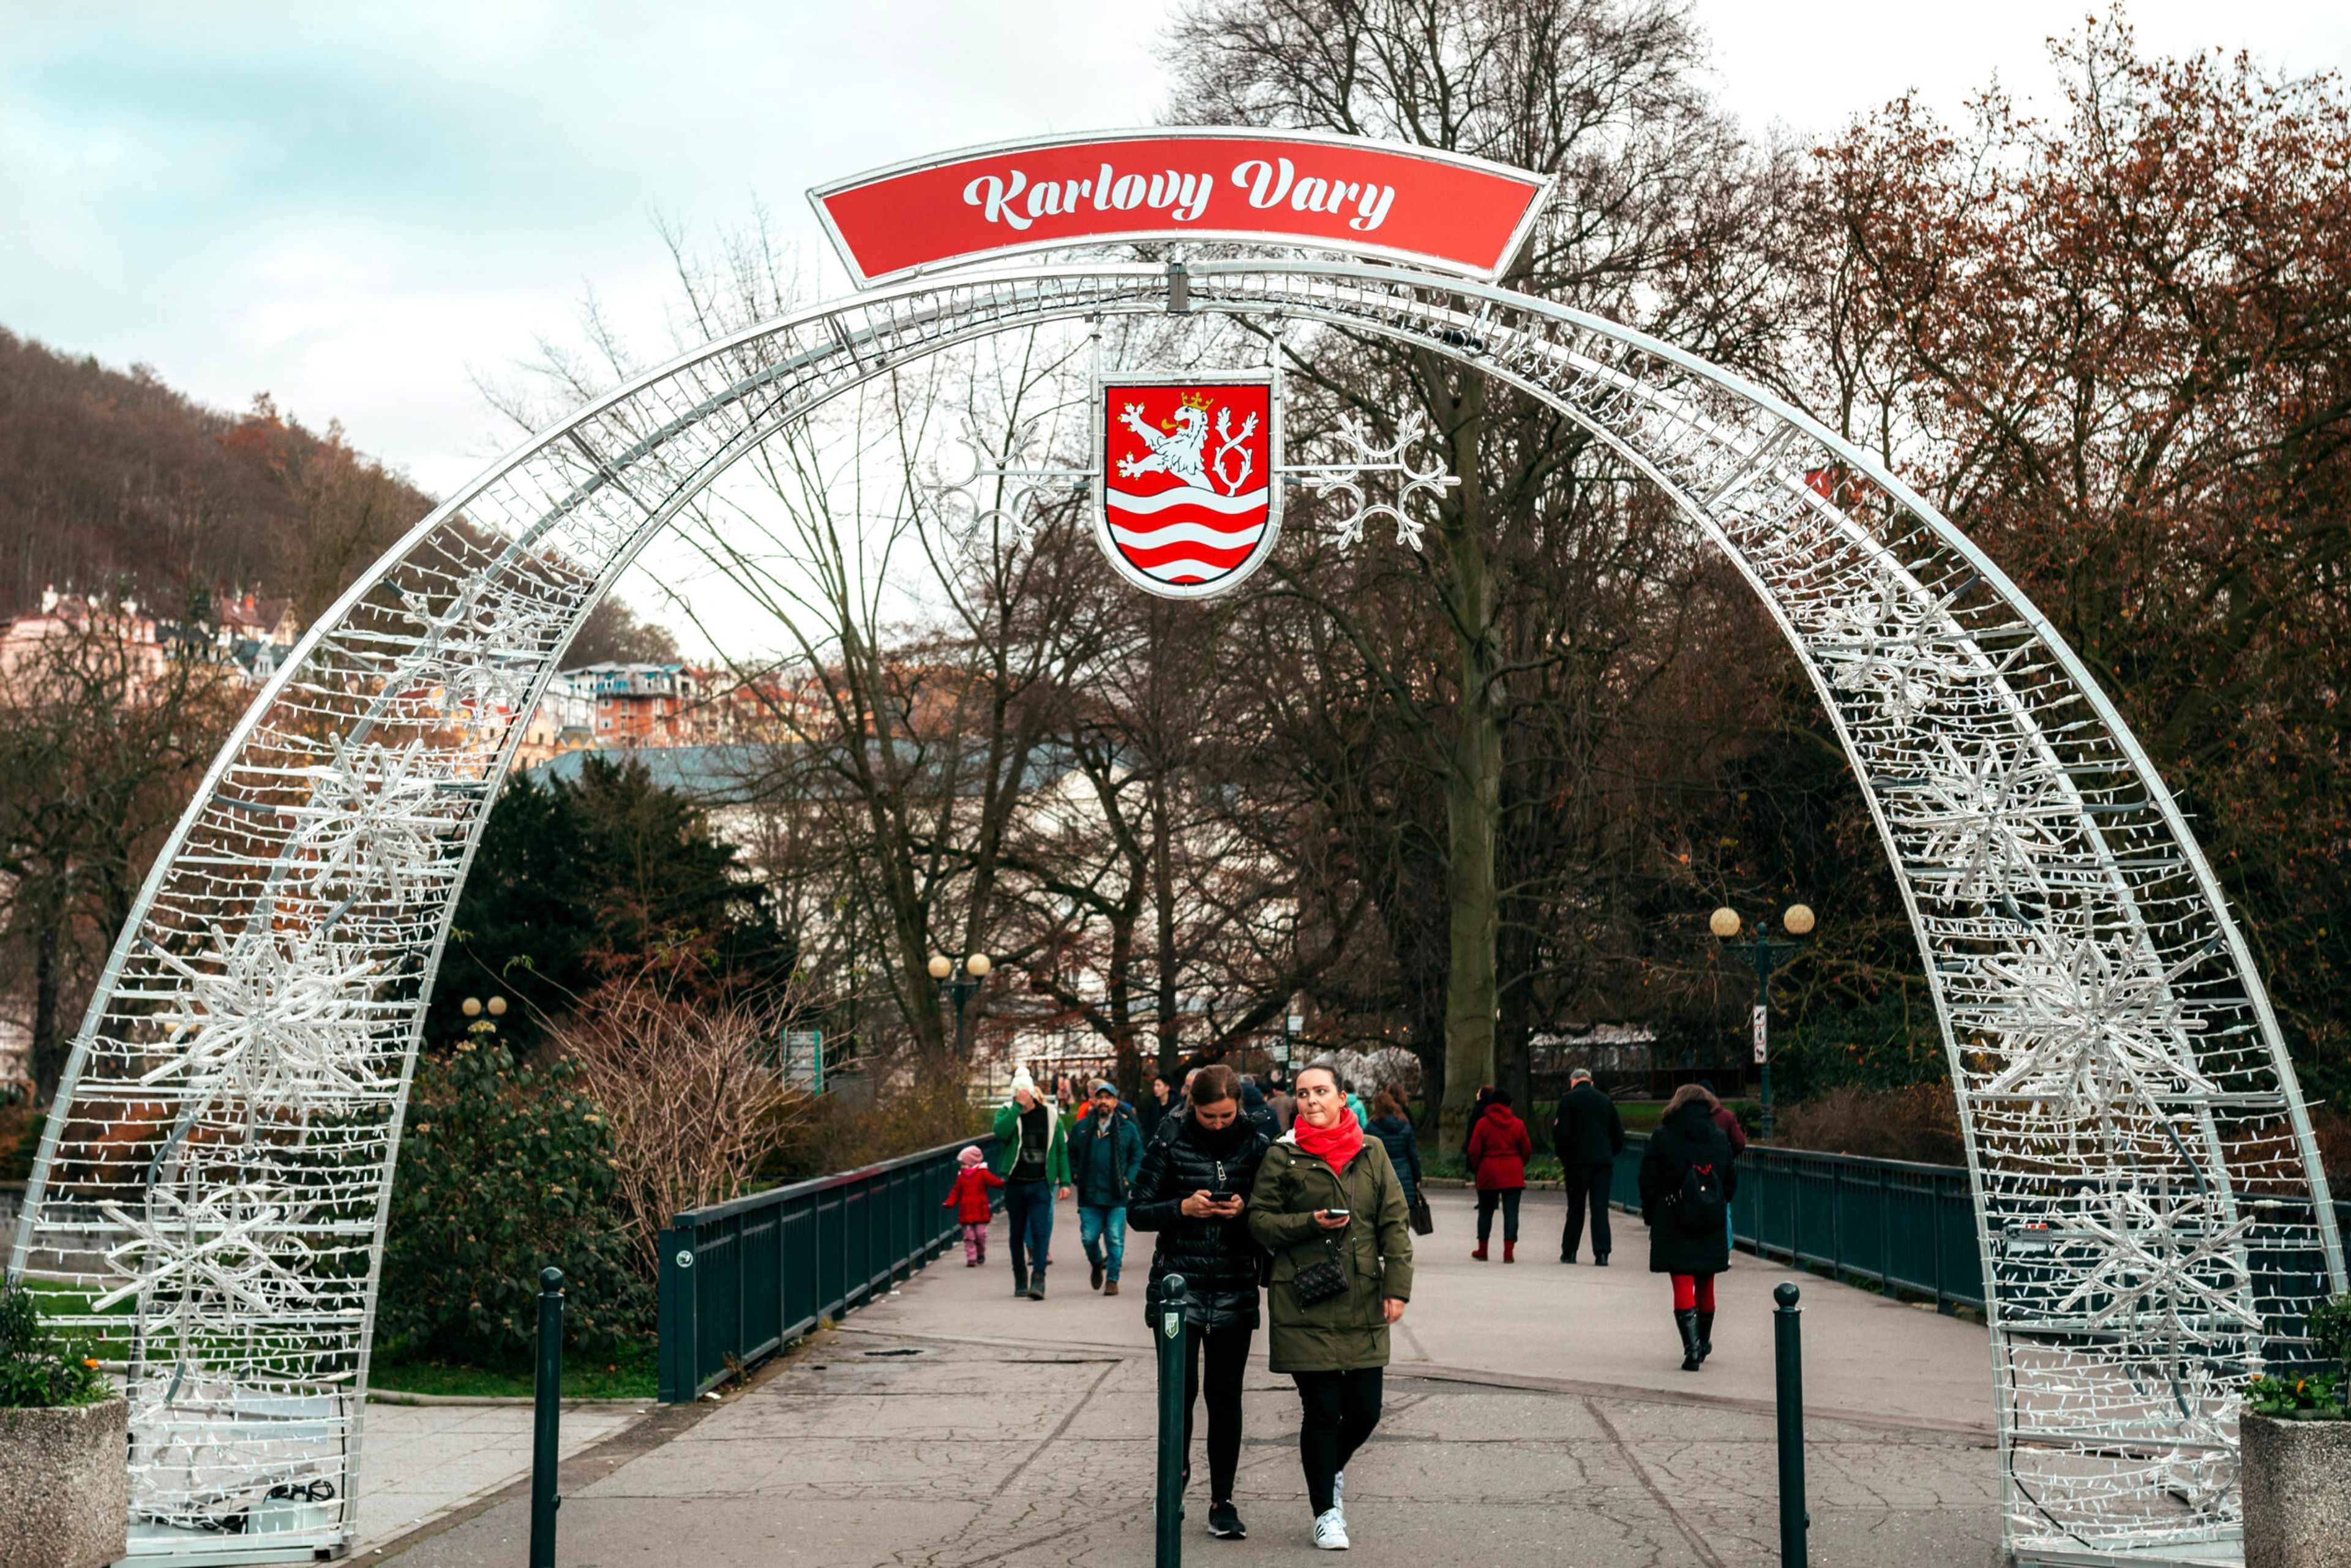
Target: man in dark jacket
[(1587, 1134), (1105, 1152)]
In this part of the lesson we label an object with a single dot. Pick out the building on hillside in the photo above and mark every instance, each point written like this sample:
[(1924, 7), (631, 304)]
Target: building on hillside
[(564, 720), (245, 617), (62, 615), (634, 707)]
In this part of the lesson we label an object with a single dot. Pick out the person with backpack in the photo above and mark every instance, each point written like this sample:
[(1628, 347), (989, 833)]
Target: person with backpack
[(1498, 1152), (1587, 1135), (1686, 1184)]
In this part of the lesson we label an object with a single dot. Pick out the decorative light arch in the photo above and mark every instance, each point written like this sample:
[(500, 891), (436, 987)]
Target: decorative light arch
[(2152, 1215)]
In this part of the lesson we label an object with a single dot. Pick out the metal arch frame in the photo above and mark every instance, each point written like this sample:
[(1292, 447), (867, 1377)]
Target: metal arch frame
[(2072, 933)]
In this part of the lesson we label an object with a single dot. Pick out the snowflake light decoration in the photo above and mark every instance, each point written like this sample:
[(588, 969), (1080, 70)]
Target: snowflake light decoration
[(2147, 1264), (1984, 823), (199, 1265), (271, 1022), (373, 827), (2086, 1025)]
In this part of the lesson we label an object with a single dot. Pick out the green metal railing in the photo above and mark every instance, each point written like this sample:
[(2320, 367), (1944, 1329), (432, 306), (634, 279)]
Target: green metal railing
[(1912, 1227), (739, 1280), (1890, 1222)]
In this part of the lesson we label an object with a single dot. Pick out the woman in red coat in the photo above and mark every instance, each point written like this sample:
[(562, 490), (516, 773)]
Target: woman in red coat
[(1499, 1150), (969, 1198)]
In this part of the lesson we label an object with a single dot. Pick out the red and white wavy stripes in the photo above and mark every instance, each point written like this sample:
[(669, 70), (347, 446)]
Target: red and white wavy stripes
[(1188, 535)]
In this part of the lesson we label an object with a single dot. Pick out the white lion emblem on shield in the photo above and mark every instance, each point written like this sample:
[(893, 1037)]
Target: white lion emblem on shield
[(1183, 453)]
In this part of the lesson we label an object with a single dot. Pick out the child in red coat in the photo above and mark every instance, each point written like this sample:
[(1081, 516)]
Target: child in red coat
[(969, 1198)]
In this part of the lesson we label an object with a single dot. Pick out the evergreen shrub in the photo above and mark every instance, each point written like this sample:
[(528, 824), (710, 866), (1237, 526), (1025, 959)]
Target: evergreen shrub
[(503, 1172)]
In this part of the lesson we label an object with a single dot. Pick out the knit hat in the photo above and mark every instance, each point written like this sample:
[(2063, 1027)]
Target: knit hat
[(1021, 1080), (969, 1157)]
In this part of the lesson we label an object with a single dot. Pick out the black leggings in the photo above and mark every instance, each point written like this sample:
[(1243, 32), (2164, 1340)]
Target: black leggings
[(1508, 1198), (1341, 1409), (1227, 1351)]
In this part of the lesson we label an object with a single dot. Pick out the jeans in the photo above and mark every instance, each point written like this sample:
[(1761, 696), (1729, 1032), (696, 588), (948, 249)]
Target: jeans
[(1587, 1186), (1508, 1198), (1226, 1351), (1341, 1409), (1102, 1231), (1028, 1216)]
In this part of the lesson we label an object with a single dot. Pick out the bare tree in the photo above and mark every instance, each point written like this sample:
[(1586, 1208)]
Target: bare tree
[(106, 721), (1656, 221)]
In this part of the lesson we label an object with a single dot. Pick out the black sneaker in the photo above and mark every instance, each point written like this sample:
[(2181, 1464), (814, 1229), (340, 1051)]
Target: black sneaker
[(1225, 1522)]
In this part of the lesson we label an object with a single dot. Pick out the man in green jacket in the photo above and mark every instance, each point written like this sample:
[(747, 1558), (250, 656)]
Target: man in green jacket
[(1032, 1156)]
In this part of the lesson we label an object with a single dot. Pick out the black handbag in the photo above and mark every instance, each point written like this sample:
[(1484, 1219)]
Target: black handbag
[(1423, 1222), (1318, 1283)]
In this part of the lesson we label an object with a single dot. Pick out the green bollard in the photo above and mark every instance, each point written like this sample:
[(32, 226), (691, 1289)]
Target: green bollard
[(1169, 1317), (547, 1391), (1787, 1340)]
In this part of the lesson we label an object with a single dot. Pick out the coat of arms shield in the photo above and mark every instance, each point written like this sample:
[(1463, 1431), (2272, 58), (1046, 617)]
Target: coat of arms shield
[(1190, 498)]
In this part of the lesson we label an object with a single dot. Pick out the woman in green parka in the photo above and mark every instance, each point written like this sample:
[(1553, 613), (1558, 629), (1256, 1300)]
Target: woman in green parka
[(1327, 1194)]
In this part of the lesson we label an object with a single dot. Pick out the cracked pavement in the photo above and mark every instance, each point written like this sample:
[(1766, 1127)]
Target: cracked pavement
[(1537, 1415)]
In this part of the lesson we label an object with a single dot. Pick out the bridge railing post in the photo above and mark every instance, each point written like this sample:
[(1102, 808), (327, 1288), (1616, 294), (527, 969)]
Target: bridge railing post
[(546, 1415), (1787, 1340), (1169, 1318)]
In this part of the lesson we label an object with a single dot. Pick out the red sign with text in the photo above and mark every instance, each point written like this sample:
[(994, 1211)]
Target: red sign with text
[(1372, 198)]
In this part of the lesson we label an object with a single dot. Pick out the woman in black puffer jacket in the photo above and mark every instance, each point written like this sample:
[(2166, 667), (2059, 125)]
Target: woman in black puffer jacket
[(1195, 1177)]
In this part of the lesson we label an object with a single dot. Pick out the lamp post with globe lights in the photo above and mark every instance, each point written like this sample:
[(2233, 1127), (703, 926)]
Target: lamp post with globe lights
[(960, 981), (1763, 955)]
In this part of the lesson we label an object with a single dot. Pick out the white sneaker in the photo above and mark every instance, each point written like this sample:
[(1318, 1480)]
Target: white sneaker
[(1331, 1531)]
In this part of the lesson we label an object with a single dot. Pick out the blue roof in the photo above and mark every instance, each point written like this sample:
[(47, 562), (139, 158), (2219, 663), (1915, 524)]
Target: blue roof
[(709, 775)]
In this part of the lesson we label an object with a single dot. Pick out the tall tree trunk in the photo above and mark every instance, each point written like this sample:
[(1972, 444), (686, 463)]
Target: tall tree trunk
[(48, 1042), (1473, 778), (1471, 803)]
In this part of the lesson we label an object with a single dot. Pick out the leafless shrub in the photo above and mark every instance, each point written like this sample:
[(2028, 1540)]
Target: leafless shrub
[(1919, 1123), (696, 1102)]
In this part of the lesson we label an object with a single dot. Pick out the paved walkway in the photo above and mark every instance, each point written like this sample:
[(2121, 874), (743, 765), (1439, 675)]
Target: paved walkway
[(1536, 1414), (420, 1462)]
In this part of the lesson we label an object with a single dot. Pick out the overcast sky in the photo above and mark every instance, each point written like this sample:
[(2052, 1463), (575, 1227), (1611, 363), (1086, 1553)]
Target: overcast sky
[(355, 206)]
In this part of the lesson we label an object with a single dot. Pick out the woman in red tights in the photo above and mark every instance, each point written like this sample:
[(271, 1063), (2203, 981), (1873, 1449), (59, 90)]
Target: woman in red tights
[(1686, 1183)]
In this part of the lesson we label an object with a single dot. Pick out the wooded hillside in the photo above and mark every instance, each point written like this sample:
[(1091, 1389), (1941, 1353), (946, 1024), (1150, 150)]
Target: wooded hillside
[(110, 477)]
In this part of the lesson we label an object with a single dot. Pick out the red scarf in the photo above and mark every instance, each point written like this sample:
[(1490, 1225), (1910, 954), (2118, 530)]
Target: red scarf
[(1333, 1145)]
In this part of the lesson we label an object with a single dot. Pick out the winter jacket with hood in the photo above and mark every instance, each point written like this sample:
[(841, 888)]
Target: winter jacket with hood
[(1686, 1138), (1395, 1134), (968, 1196), (1499, 1149), (1219, 1261), (1349, 1331), (1104, 1157), (1010, 1131)]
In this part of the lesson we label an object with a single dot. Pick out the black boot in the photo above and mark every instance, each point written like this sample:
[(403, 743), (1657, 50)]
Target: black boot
[(1704, 1335), (1688, 1324)]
